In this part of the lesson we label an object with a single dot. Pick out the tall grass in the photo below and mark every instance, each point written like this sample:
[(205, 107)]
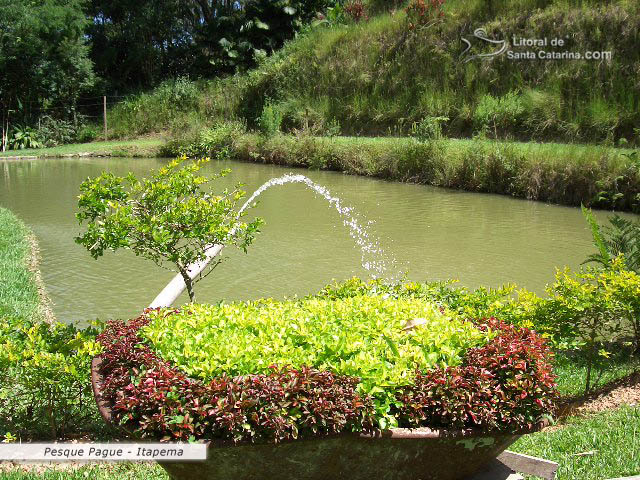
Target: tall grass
[(566, 174)]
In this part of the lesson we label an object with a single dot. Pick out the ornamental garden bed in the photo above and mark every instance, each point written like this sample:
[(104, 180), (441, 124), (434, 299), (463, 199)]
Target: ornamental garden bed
[(358, 387)]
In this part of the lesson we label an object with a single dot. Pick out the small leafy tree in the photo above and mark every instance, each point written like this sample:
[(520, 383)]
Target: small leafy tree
[(624, 286), (585, 313), (168, 218)]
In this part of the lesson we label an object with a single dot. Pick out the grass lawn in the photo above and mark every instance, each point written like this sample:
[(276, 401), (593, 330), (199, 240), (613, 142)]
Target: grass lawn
[(105, 471), (142, 147), (596, 447)]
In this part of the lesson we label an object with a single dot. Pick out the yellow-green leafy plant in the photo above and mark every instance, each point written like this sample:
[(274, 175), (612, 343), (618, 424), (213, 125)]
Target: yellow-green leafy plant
[(361, 336)]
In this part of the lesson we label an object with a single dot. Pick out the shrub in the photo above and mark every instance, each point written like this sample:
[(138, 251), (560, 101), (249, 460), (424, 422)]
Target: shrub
[(268, 370), (505, 384), (155, 110), (348, 336), (215, 142), (281, 404), (421, 13), (54, 131), (592, 308), (498, 114), (23, 137), (44, 387), (270, 119), (429, 128), (356, 10), (87, 133)]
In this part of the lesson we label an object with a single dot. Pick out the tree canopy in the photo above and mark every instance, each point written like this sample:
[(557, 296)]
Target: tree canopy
[(44, 57)]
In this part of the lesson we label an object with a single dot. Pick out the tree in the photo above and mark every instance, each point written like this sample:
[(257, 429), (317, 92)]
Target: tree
[(168, 218), (43, 57), (139, 43)]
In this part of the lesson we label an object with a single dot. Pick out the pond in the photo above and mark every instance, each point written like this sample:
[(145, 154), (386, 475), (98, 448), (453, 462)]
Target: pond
[(431, 233)]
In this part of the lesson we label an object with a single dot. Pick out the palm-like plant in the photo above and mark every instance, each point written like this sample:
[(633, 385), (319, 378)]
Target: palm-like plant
[(622, 236)]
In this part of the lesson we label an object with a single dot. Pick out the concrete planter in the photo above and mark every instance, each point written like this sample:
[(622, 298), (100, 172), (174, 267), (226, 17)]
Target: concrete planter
[(402, 454)]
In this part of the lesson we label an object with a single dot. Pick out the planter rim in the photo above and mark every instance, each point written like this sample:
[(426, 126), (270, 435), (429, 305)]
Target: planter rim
[(393, 433)]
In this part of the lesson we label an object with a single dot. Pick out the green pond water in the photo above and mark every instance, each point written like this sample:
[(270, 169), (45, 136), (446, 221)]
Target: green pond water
[(431, 233)]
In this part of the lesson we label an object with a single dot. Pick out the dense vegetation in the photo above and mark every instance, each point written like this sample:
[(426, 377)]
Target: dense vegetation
[(380, 76), (365, 68), (566, 174), (343, 365)]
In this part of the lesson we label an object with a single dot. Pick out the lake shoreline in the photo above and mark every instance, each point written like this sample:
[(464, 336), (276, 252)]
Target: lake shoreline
[(600, 177)]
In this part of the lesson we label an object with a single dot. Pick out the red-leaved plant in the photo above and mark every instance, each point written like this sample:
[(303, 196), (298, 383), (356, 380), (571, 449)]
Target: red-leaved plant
[(506, 384), (423, 12), (357, 10), (153, 399)]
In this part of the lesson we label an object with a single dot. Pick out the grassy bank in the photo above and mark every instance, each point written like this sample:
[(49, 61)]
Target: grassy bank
[(600, 177), (378, 77), (142, 147), (568, 174), (19, 297)]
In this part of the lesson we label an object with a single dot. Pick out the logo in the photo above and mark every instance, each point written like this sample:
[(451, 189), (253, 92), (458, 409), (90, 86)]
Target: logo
[(481, 34), (526, 48)]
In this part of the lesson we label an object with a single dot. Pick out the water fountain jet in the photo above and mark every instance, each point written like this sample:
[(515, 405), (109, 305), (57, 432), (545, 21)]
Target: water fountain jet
[(376, 266)]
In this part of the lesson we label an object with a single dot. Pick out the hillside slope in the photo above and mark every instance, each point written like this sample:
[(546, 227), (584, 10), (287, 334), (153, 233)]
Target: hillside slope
[(378, 77)]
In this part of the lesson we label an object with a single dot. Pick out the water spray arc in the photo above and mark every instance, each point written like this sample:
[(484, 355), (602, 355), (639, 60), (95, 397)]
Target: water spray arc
[(372, 256)]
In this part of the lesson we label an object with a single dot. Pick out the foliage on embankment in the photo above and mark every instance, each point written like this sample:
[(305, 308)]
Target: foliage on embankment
[(600, 177), (378, 77)]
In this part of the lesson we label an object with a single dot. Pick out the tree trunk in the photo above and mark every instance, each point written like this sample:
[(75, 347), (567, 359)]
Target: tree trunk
[(189, 283)]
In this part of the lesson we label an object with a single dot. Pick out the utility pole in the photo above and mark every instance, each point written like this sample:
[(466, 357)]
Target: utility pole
[(104, 114)]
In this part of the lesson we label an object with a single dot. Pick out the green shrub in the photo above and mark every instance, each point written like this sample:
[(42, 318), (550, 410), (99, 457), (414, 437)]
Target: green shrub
[(45, 392), (56, 131), (23, 137), (360, 336), (87, 133), (215, 142), (155, 110), (270, 119), (429, 128), (592, 309)]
